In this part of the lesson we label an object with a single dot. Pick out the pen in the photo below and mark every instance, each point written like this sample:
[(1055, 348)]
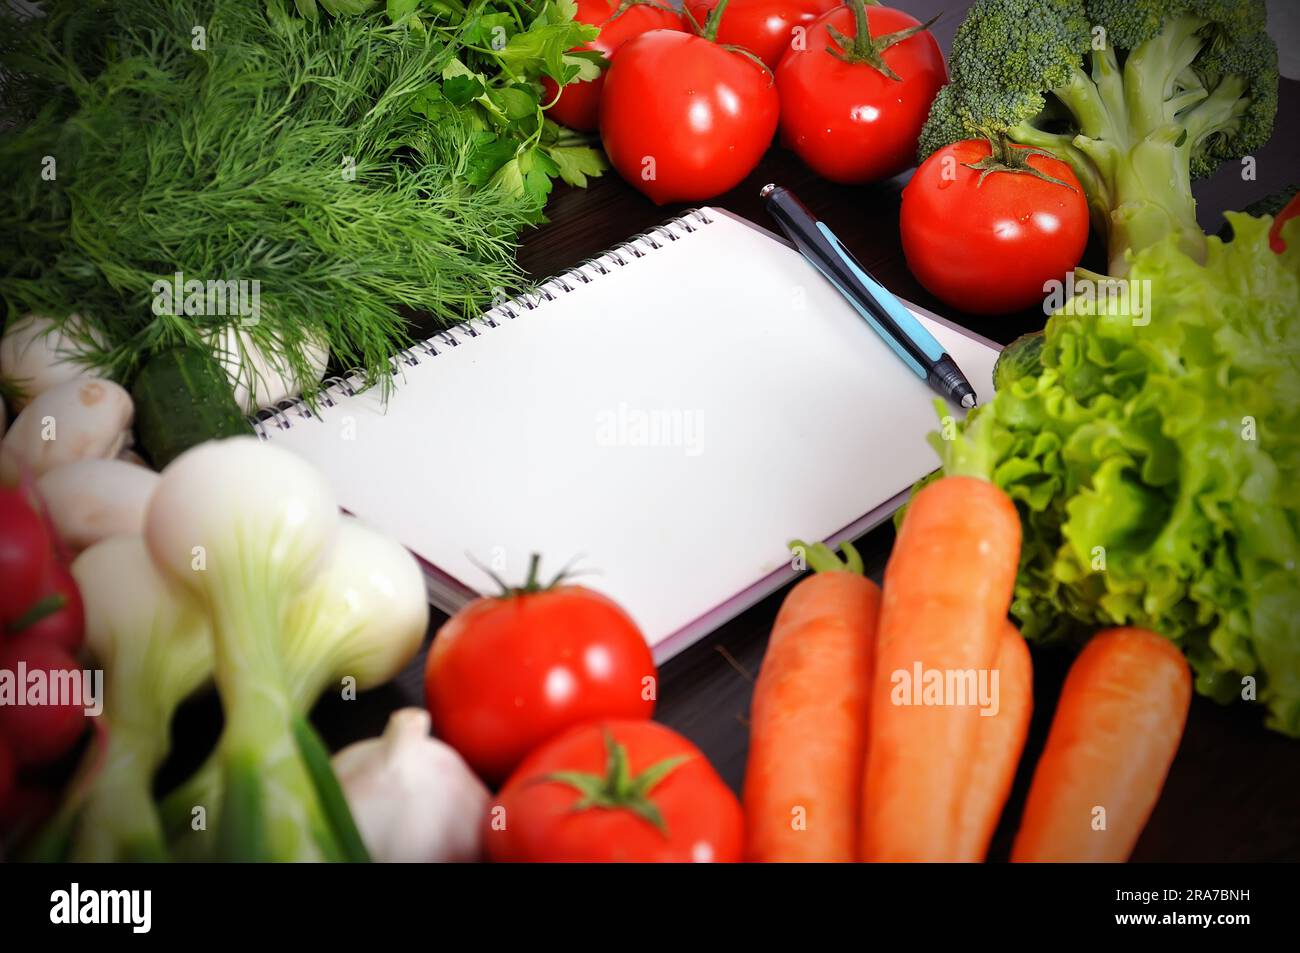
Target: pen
[(905, 335)]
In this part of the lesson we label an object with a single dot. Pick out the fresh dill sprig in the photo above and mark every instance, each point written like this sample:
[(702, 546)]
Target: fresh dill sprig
[(229, 141)]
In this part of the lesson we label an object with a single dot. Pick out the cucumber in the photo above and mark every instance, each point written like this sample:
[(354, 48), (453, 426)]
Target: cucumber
[(182, 398), (1023, 357)]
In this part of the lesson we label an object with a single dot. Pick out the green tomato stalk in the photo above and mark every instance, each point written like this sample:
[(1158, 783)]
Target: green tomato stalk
[(245, 527)]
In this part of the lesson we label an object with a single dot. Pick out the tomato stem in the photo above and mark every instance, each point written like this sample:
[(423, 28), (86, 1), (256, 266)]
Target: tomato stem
[(863, 48), (42, 608), (618, 788), (1003, 158), (533, 582), (715, 18)]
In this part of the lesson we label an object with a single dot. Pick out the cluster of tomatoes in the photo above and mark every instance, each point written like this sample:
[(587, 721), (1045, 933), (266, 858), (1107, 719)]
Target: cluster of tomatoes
[(550, 690), (42, 626), (691, 100)]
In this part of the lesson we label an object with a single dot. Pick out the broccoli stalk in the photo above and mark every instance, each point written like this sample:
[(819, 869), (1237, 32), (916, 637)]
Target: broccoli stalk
[(1138, 96)]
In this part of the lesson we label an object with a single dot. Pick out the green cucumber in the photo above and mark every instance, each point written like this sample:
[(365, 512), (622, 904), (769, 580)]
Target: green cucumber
[(1023, 357), (183, 398)]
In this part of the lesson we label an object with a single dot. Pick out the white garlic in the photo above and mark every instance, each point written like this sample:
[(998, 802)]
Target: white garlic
[(414, 799)]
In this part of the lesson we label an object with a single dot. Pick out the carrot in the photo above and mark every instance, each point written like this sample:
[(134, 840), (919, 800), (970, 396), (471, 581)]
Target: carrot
[(999, 741), (947, 590), (808, 720), (1116, 729)]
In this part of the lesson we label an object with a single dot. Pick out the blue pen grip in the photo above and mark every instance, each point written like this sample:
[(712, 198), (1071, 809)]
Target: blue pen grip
[(905, 320)]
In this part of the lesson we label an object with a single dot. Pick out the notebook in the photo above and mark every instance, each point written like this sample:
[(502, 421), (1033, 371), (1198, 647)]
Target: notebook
[(669, 414)]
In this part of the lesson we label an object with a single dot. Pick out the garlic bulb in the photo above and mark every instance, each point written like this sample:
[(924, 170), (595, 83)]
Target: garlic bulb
[(413, 797)]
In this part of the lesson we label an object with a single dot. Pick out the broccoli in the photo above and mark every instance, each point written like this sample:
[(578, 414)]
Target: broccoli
[(1138, 96)]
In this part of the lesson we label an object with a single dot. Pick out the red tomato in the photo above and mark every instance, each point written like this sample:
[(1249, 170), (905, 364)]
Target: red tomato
[(1292, 210), (682, 118), (507, 673), (8, 776), (989, 248), (29, 805), (39, 732), (633, 791), (579, 104), (850, 121), (25, 554), (764, 27), (65, 625)]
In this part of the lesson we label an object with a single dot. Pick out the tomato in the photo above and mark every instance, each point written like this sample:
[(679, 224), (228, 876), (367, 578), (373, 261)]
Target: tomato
[(25, 554), (507, 673), (579, 104), (989, 247), (631, 791), (64, 623), (764, 27), (39, 732), (8, 776), (682, 118), (850, 121), (1290, 211)]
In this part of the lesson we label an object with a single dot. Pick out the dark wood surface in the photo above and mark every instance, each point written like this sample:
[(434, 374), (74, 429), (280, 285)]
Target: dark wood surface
[(1234, 790)]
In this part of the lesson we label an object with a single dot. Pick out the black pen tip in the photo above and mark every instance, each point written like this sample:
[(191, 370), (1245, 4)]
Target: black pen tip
[(767, 190)]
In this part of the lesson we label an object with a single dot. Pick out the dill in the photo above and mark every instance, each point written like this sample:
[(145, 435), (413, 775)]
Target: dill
[(230, 141)]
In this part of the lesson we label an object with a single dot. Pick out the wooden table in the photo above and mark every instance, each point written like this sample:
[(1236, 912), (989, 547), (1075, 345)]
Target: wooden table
[(1234, 791)]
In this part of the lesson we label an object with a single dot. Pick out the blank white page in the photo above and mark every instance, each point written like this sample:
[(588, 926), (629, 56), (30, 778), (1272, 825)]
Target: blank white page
[(674, 422)]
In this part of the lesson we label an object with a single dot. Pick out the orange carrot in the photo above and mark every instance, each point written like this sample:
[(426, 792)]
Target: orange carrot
[(999, 741), (947, 591), (808, 720), (1115, 732)]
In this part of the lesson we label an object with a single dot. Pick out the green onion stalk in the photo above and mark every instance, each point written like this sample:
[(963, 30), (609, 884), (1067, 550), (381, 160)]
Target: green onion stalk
[(246, 527)]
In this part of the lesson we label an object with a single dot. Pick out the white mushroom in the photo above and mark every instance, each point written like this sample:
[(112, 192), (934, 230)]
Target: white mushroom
[(262, 378), (90, 500), (37, 353), (75, 420)]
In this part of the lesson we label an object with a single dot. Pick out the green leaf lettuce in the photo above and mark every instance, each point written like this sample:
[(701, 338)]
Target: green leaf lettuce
[(1154, 459)]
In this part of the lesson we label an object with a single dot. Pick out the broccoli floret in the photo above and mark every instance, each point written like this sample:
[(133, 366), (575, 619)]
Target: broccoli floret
[(1138, 96)]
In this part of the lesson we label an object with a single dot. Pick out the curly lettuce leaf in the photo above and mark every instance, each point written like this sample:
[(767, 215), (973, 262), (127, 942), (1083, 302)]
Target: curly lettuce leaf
[(1154, 459)]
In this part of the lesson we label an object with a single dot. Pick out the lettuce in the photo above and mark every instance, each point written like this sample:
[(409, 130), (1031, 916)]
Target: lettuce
[(1154, 461)]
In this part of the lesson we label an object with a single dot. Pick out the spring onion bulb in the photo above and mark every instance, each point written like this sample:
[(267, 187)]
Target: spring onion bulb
[(153, 642), (361, 619), (246, 527)]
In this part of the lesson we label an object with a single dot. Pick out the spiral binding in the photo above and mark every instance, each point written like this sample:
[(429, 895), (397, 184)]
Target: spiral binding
[(583, 273)]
